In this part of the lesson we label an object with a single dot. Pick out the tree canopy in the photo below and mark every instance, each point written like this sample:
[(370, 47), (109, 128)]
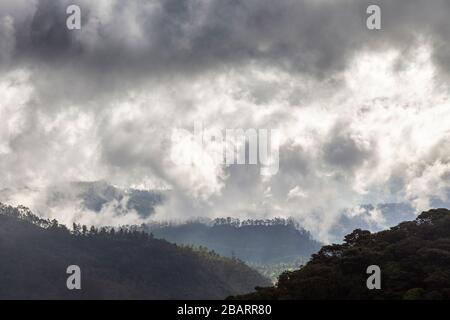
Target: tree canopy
[(414, 258), (116, 263)]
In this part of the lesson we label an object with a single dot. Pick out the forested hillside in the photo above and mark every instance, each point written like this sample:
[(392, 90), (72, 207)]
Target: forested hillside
[(414, 258), (115, 264), (270, 245)]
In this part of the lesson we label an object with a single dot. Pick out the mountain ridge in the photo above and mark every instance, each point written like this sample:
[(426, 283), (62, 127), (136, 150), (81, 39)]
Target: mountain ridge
[(115, 264), (414, 259)]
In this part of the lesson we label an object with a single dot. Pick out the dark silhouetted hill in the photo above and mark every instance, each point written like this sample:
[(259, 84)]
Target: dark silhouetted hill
[(414, 258), (115, 264)]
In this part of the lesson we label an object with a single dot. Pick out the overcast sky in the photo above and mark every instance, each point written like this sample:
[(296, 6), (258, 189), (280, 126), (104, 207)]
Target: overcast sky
[(363, 114)]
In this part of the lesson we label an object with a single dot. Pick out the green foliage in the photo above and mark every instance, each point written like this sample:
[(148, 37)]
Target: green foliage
[(122, 263), (414, 258), (273, 270)]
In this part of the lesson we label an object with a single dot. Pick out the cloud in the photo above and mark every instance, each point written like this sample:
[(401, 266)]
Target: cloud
[(7, 39), (363, 114), (161, 37), (345, 151)]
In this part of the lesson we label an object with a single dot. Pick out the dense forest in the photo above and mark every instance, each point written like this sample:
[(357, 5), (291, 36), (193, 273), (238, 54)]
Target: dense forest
[(120, 263), (414, 258), (269, 245)]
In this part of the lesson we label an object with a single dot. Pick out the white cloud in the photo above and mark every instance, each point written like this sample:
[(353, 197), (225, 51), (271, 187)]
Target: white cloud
[(363, 119)]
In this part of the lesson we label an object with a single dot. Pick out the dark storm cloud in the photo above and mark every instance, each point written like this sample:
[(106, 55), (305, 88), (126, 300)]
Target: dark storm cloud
[(124, 44), (48, 37), (316, 37), (343, 151), (100, 103)]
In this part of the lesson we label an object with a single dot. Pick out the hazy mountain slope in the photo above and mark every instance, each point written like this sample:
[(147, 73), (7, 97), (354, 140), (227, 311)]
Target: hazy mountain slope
[(264, 242), (271, 246), (414, 258), (94, 195), (84, 195), (35, 253)]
